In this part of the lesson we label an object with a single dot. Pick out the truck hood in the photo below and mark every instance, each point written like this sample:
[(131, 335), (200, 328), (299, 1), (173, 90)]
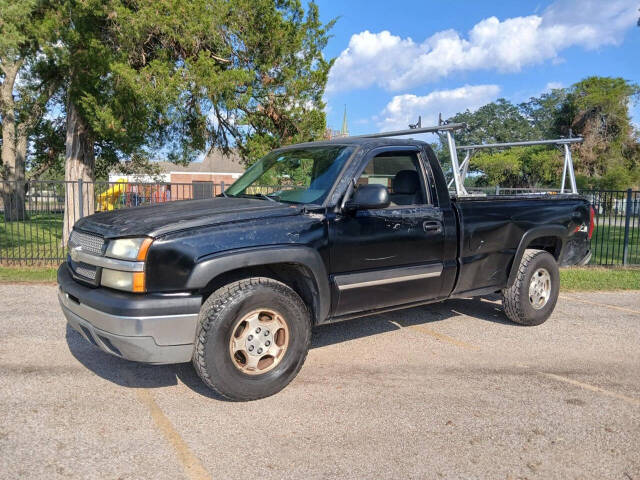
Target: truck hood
[(162, 218)]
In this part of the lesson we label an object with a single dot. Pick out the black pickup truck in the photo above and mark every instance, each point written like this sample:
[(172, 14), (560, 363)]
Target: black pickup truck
[(356, 226)]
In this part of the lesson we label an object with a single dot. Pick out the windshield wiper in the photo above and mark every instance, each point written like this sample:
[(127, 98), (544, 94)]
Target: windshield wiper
[(267, 197), (261, 196)]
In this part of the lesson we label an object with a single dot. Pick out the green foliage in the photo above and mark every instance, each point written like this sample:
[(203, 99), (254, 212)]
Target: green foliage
[(600, 107), (549, 115), (15, 29), (496, 122), (600, 279), (174, 79), (15, 275), (534, 166), (596, 108), (46, 157)]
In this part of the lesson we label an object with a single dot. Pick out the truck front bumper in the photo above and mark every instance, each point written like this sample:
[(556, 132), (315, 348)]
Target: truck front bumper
[(150, 328)]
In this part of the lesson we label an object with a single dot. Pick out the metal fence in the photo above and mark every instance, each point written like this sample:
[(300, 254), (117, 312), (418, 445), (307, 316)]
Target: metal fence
[(32, 214)]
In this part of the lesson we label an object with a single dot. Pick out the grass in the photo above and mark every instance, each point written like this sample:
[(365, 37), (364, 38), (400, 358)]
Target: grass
[(27, 274), (582, 279), (596, 278), (38, 238), (607, 245)]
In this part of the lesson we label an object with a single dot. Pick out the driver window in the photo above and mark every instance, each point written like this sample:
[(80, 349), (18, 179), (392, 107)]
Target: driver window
[(400, 173)]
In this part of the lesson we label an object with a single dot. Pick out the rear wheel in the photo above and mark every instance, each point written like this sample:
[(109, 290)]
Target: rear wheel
[(534, 293), (252, 339)]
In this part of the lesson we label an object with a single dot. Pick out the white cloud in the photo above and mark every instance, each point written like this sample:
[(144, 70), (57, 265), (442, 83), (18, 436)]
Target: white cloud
[(405, 109), (552, 86), (396, 63)]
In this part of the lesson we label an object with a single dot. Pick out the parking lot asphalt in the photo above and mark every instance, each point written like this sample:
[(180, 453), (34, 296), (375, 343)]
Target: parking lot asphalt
[(451, 390)]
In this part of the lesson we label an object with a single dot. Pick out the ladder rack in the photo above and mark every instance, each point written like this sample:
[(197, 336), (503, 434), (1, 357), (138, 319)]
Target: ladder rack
[(460, 169), (564, 142), (448, 129)]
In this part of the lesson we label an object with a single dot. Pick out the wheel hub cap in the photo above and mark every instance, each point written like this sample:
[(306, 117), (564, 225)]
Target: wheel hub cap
[(540, 288), (259, 341)]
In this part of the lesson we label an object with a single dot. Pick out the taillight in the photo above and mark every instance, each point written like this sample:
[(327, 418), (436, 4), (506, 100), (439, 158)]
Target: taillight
[(592, 224)]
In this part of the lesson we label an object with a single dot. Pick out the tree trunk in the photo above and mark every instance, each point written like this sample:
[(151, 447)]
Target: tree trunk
[(79, 165), (13, 185)]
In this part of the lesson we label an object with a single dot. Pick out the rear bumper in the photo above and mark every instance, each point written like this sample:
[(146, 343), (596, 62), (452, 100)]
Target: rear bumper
[(147, 328)]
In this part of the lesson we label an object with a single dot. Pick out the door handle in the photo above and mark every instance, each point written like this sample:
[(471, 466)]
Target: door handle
[(435, 227)]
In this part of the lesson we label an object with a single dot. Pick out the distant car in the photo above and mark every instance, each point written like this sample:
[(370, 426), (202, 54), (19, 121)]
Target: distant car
[(236, 283)]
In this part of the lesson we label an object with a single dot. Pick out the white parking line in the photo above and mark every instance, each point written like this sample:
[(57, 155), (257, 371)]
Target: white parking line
[(190, 463), (606, 305), (188, 460), (593, 388)]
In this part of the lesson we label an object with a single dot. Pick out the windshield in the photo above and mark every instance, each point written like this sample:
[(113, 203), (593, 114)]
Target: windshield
[(303, 175)]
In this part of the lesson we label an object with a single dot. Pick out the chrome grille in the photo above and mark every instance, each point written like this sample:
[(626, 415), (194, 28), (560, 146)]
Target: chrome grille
[(86, 271), (89, 243)]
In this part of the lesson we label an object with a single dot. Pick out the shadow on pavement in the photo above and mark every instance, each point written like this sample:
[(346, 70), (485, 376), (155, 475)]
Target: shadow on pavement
[(140, 375), (481, 308), (134, 374)]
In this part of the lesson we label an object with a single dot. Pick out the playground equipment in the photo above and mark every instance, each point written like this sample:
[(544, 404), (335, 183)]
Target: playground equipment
[(126, 194), (108, 200)]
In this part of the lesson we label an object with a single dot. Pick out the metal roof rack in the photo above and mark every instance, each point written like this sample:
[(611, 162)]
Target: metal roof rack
[(460, 169), (446, 128), (564, 142)]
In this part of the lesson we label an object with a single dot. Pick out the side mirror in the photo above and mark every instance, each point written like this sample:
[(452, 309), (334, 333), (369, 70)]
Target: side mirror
[(369, 197)]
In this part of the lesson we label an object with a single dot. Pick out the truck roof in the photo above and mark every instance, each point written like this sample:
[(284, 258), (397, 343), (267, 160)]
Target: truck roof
[(359, 141)]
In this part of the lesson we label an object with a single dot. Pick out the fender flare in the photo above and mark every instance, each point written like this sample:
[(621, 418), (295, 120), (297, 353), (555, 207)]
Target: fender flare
[(212, 266), (548, 231)]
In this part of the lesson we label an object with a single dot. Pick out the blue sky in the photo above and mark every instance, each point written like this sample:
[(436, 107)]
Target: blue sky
[(398, 60)]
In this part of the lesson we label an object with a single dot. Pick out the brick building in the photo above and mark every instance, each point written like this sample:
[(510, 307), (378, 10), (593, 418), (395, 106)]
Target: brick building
[(195, 180), (206, 177)]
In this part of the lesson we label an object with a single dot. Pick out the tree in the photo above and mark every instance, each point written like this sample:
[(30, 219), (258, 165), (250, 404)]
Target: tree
[(535, 166), (548, 114), (596, 108), (186, 77), (22, 104), (495, 122), (599, 111)]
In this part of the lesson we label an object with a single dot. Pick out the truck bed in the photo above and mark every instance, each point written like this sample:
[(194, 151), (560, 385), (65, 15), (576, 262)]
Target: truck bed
[(492, 227)]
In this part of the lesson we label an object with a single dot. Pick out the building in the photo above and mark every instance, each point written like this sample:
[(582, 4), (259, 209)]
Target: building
[(343, 132), (196, 180)]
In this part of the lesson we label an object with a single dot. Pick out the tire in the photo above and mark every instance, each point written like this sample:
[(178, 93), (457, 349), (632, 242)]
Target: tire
[(222, 317), (518, 305)]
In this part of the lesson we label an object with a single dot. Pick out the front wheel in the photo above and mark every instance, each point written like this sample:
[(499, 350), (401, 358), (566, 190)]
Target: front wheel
[(252, 339), (534, 293)]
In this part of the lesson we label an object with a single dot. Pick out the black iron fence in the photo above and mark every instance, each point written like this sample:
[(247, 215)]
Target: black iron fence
[(32, 214)]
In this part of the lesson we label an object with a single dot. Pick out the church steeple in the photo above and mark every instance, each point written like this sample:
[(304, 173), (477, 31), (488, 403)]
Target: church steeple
[(344, 131)]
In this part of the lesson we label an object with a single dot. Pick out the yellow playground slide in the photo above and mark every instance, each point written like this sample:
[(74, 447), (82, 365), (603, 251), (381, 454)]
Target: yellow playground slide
[(108, 200)]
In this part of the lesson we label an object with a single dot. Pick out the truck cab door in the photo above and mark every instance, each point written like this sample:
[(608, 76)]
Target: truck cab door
[(391, 256)]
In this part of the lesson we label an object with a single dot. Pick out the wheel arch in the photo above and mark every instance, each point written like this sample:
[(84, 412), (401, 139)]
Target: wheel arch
[(299, 267), (549, 238)]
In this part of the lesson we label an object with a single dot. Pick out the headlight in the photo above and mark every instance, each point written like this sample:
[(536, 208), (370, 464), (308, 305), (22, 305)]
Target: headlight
[(133, 249), (129, 248), (128, 281)]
